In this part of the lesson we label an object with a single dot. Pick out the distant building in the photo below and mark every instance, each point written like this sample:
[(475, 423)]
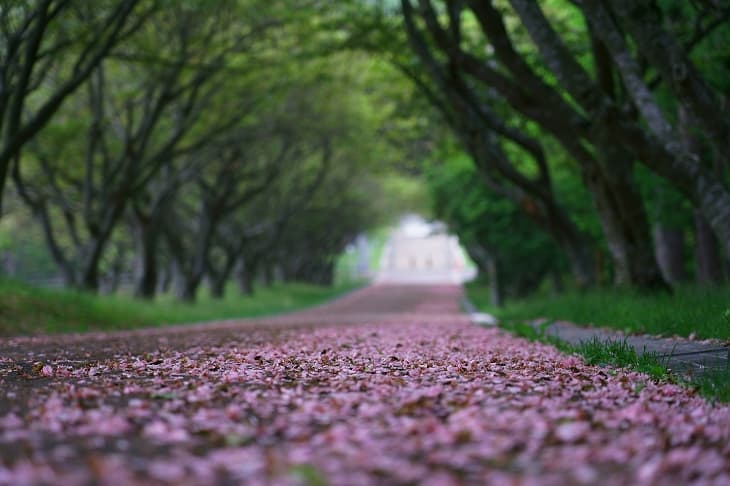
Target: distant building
[(422, 252)]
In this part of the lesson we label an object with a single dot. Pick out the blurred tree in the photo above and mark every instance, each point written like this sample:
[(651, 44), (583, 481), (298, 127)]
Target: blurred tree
[(52, 40), (655, 144), (137, 115), (510, 250)]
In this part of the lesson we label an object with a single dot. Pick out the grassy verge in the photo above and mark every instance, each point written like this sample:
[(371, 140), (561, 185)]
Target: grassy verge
[(703, 311), (713, 385), (29, 310), (612, 352)]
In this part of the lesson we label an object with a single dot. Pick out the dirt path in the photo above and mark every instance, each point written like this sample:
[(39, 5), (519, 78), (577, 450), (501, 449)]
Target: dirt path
[(389, 385)]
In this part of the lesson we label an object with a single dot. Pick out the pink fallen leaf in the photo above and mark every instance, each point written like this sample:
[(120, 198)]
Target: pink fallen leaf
[(572, 431)]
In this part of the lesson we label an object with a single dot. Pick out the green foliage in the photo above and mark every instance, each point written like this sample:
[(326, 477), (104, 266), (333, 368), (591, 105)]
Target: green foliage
[(347, 262), (664, 203), (480, 217), (318, 74), (196, 106), (23, 245), (405, 194), (28, 310)]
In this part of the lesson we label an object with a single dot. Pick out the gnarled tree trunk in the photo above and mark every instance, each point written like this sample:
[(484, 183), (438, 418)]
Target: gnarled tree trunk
[(625, 223)]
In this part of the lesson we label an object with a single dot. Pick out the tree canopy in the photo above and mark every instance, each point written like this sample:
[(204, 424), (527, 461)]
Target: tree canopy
[(199, 141)]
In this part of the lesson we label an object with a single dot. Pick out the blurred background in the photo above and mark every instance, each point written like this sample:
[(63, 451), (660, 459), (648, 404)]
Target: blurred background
[(154, 151)]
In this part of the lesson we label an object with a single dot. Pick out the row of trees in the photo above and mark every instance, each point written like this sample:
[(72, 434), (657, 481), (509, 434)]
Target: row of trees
[(191, 141), (210, 139), (628, 98)]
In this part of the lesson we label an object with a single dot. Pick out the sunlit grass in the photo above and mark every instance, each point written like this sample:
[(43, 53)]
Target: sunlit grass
[(29, 310)]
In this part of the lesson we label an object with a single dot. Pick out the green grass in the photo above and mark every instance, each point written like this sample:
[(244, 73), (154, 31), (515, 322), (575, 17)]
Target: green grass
[(612, 352), (29, 310), (713, 385), (618, 352), (704, 311)]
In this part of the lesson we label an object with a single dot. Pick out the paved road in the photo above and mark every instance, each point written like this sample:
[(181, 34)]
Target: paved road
[(389, 385)]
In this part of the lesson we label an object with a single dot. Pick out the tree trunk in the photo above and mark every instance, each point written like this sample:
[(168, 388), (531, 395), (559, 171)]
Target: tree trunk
[(40, 211), (206, 229), (656, 149), (186, 289), (146, 274), (111, 282), (707, 253), (669, 249), (327, 274), (619, 204), (218, 279), (478, 127), (268, 275), (496, 296), (164, 278), (217, 287), (582, 265), (543, 209), (643, 20), (244, 275), (278, 272), (92, 252), (191, 265), (90, 280), (89, 275), (624, 221), (185, 285)]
